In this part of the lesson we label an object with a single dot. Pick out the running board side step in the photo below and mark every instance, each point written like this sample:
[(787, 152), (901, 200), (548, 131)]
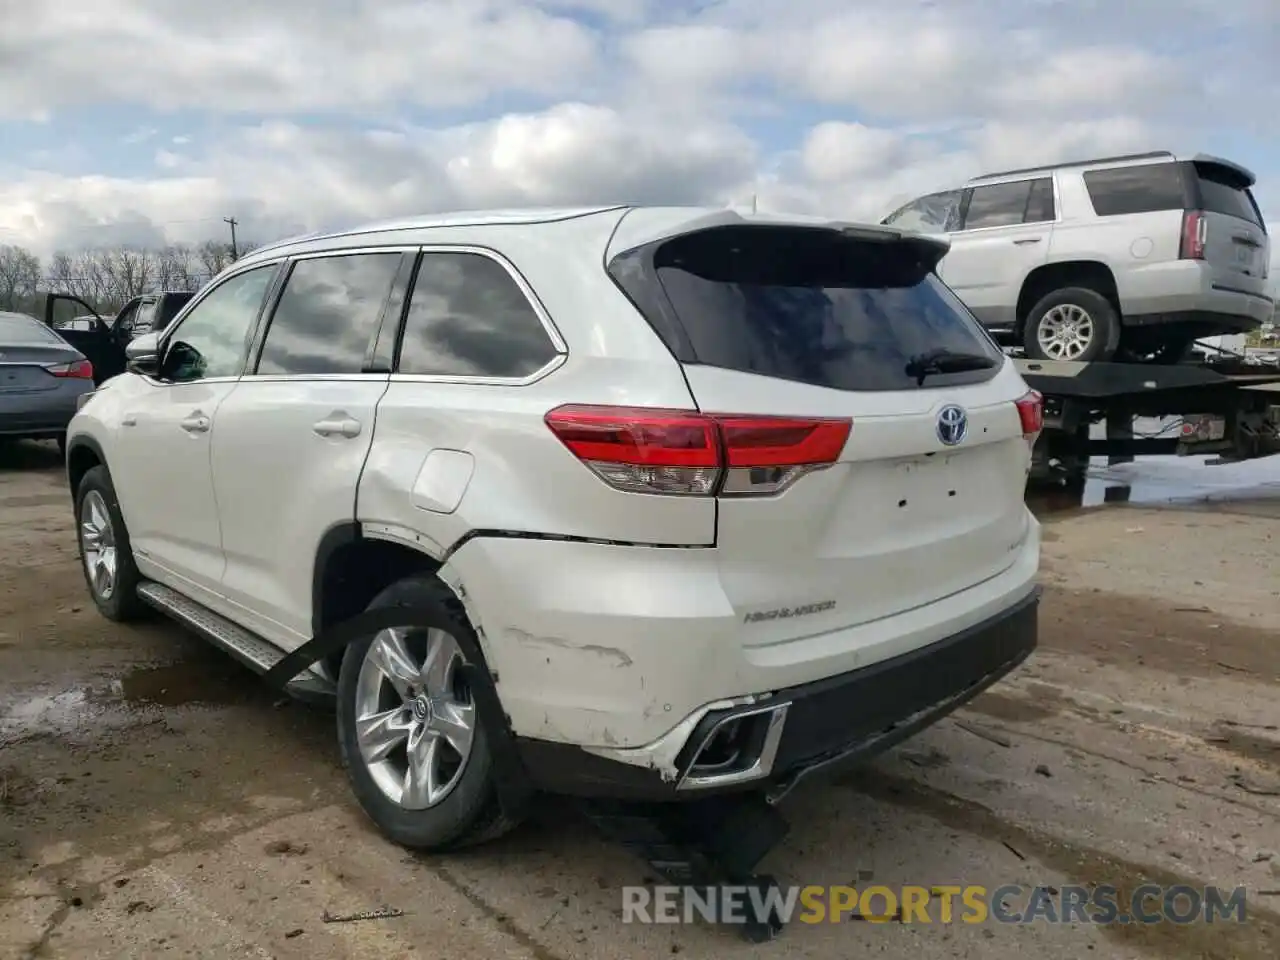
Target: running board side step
[(251, 650)]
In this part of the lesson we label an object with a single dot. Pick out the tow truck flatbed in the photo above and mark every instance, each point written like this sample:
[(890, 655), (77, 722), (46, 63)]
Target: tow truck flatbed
[(1222, 406)]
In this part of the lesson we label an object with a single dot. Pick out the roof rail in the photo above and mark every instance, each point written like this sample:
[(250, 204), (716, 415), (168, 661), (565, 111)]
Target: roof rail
[(1153, 155), (444, 219)]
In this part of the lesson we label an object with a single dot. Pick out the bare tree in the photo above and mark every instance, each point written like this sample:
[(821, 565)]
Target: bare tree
[(19, 277), (177, 269), (214, 256), (77, 274), (108, 277), (127, 272)]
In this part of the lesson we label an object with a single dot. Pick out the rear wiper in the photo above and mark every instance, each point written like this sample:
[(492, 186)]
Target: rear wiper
[(932, 362)]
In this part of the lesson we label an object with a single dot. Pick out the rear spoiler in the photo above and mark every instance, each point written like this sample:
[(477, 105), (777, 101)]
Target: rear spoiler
[(1243, 174), (644, 226)]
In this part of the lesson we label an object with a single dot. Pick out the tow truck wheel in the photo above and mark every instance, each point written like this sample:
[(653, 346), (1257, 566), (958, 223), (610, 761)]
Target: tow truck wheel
[(1074, 323)]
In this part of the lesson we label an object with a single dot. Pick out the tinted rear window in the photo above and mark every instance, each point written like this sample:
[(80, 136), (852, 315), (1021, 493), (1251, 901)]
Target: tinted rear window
[(1222, 192), (814, 306), (997, 205), (23, 329), (1139, 189)]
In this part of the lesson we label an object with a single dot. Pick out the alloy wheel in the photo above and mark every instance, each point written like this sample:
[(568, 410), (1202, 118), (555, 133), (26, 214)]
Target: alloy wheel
[(1065, 332), (414, 714), (98, 544)]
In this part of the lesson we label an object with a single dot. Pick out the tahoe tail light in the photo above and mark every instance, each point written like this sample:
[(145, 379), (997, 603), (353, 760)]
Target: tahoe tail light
[(1195, 230), (78, 369), (687, 453), (1031, 412)]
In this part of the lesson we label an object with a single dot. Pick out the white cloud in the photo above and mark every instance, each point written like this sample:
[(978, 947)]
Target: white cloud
[(288, 55), (311, 112), (279, 177), (835, 151)]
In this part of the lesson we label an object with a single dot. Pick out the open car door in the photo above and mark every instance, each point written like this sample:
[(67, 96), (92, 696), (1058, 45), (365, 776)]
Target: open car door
[(99, 344)]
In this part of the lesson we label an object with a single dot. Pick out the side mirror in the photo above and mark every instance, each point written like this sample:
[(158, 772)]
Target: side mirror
[(142, 355)]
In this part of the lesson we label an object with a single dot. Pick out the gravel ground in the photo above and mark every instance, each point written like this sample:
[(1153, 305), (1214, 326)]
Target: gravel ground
[(156, 800)]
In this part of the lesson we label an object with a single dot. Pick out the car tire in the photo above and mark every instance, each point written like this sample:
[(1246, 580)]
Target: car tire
[(469, 812), (1083, 306), (106, 556), (62, 444)]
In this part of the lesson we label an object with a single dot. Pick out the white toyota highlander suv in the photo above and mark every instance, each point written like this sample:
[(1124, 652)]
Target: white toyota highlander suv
[(620, 502)]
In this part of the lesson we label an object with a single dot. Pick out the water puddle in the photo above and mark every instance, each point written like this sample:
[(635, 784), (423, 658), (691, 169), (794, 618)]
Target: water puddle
[(1186, 482), (187, 682), (142, 695)]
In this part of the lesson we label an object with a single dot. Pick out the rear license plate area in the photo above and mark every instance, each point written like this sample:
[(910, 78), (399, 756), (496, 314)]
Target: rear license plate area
[(929, 481)]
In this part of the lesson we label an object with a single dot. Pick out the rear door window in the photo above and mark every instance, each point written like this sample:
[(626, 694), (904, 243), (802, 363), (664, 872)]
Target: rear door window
[(813, 306), (997, 205), (1145, 188), (1040, 206)]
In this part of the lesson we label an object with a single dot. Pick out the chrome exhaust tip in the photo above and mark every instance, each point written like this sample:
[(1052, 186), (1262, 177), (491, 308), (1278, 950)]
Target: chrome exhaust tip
[(738, 747)]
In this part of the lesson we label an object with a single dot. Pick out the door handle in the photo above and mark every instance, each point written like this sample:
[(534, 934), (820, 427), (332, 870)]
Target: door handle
[(337, 425), (1025, 240), (129, 420), (196, 423)]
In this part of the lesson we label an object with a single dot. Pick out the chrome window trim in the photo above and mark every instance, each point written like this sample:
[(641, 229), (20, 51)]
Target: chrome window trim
[(304, 377), (558, 343)]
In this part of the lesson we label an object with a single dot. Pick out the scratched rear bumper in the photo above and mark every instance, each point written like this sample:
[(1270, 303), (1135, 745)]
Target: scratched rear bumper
[(617, 648), (828, 725)]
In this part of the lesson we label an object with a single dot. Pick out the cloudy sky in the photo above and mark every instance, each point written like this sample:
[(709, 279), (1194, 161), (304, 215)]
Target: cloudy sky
[(145, 120)]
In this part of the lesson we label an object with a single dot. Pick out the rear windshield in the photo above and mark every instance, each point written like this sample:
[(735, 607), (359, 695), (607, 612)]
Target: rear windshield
[(1221, 191), (817, 307), (19, 328)]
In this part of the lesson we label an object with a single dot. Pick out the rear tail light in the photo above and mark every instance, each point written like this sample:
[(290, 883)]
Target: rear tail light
[(1194, 233), (79, 370), (1031, 413), (686, 453)]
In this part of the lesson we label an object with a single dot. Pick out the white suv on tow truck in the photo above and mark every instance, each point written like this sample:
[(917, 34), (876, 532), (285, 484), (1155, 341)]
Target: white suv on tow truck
[(618, 502)]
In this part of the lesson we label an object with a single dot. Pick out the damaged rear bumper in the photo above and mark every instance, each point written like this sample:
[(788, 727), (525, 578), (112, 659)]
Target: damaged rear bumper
[(771, 742)]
